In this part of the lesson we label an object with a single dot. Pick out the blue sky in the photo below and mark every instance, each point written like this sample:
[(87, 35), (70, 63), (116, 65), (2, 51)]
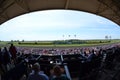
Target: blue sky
[(58, 25)]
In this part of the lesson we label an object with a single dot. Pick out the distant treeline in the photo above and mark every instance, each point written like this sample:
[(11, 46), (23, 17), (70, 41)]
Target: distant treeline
[(81, 41), (35, 43), (63, 42)]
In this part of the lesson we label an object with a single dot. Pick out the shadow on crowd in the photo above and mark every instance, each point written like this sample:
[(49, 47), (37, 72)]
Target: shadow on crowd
[(101, 65)]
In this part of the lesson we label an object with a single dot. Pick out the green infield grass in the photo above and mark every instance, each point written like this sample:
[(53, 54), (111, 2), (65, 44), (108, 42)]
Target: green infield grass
[(60, 44)]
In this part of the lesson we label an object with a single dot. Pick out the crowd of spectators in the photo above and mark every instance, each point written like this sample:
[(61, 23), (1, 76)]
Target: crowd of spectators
[(7, 58), (93, 56), (59, 51)]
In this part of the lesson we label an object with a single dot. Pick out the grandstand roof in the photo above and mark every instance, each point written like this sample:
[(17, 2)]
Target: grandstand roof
[(107, 8)]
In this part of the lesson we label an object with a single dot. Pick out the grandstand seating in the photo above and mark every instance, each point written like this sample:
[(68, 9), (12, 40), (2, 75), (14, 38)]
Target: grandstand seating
[(77, 65)]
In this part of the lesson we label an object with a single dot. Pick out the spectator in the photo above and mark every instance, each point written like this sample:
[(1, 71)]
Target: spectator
[(1, 63), (13, 51), (1, 57), (58, 74), (6, 58), (37, 74)]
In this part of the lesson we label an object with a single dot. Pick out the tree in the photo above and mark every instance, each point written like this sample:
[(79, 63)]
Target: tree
[(110, 37), (106, 37), (75, 35), (11, 40), (22, 40), (68, 35)]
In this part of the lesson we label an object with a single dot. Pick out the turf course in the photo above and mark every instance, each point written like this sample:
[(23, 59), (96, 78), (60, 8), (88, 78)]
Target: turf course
[(60, 43)]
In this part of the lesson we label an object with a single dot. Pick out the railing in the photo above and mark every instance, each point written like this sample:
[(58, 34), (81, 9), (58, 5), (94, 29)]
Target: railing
[(66, 69)]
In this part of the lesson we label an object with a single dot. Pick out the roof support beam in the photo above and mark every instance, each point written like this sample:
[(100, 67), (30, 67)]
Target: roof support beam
[(5, 16), (105, 2), (4, 8), (23, 4), (117, 4), (67, 4), (101, 9)]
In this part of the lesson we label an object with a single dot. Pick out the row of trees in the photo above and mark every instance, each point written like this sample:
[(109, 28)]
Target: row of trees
[(72, 41), (108, 37)]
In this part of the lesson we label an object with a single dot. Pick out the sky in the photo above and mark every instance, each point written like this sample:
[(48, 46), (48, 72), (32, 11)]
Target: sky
[(58, 25)]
